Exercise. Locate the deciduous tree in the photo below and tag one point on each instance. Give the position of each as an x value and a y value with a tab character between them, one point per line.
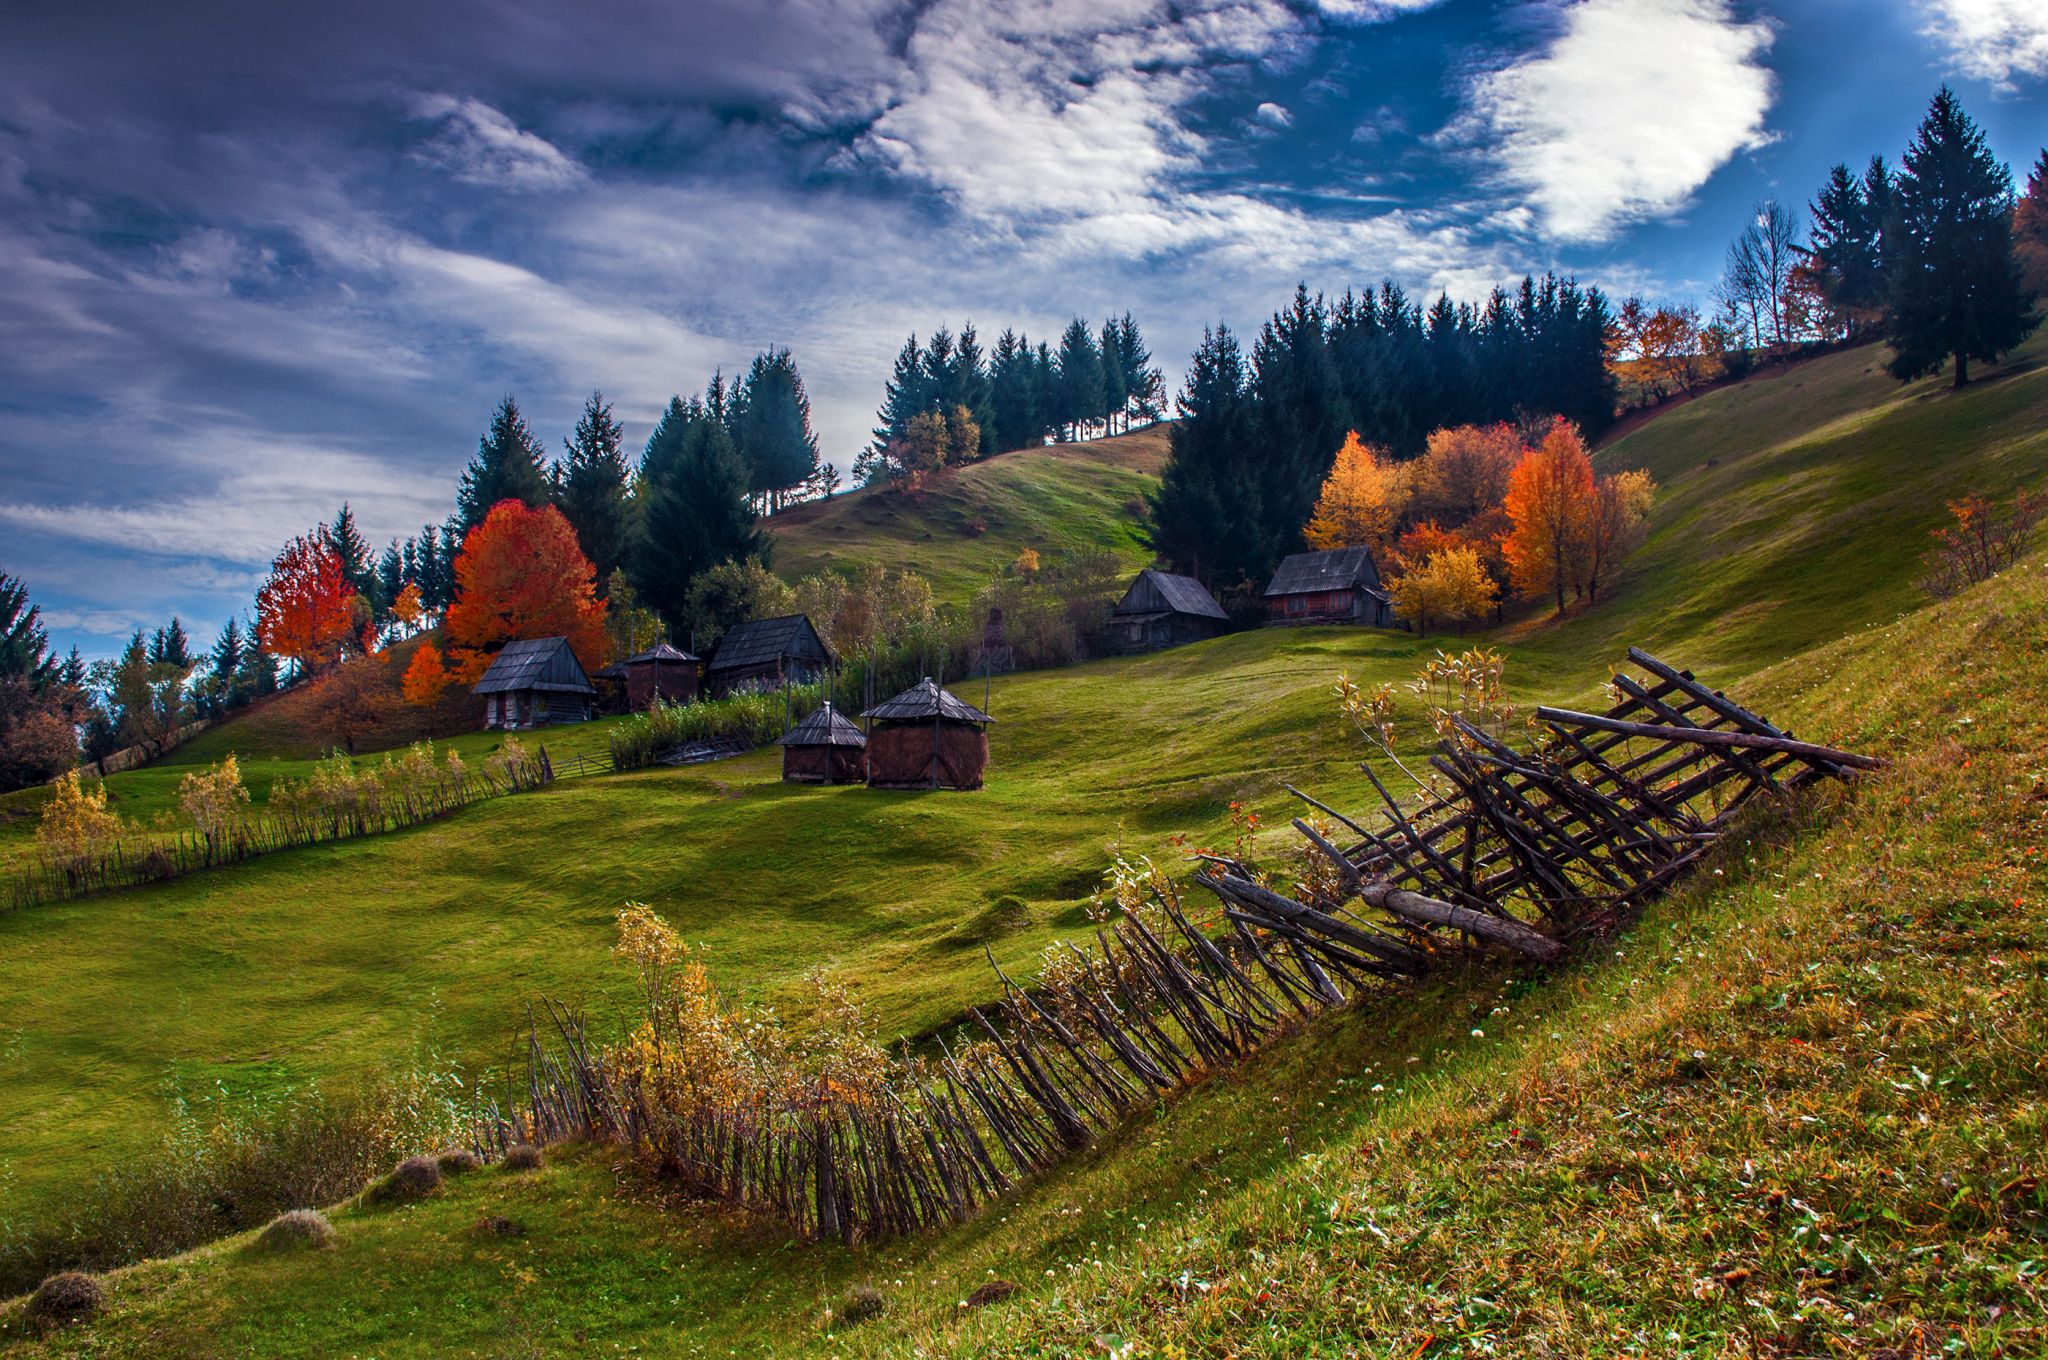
1550	497
426	677
1450	586
1361	499
305	609
1615	526
521	574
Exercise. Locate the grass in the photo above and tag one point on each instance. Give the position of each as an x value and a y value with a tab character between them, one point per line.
971	523
343	959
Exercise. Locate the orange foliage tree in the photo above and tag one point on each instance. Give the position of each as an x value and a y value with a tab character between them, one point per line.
1615	526
426	678
1464	471
1361	499
520	574
1550	498
306	609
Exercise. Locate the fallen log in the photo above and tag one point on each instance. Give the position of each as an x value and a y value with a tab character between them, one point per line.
1702	736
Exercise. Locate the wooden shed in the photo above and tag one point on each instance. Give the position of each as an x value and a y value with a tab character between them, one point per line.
1164	610
661	672
1341	585
765	653
925	738
535	681
825	748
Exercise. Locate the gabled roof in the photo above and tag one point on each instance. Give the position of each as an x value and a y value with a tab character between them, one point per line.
926	700
768	640
661	654
826	727
545	664
1335	569
1182	594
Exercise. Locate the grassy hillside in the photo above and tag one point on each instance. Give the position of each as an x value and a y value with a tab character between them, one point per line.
971	523
345	958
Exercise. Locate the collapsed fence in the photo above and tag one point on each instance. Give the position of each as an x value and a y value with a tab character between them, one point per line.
1523	849
337	802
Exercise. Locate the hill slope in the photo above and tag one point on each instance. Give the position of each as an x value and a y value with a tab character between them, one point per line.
349	957
972	522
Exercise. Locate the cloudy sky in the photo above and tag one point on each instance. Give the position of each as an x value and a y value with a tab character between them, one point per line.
259	258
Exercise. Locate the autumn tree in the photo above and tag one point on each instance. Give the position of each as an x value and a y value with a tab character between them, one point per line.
1615	526
521	574
426	678
1450	586
409	609
1550	496
1463	472
1980	540
353	700
2030	230
306	610
1360	502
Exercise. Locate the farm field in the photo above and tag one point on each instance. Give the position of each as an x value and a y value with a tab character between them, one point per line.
1786	539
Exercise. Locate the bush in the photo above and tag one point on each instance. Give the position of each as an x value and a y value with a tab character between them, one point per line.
296	1230
863	1303
755	718
64	1298
457	1161
415	1178
524	1157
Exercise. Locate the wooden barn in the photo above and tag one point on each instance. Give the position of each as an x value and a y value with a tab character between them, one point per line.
925	738
535	681
825	748
1164	610
661	672
1341	585
766	652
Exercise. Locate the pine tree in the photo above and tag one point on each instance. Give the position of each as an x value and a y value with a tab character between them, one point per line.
509	465
356	567
1956	291
1209	499
695	508
390	579
171	646
1016	421
771	427
592	487
257	675
907	394
1116	391
1847	242
1081	390
1144	385
427	571
24	642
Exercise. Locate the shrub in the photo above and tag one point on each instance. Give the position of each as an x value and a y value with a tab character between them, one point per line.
860	1305
215	800
77	830
755	718
415	1178
457	1161
1981	541
67	1297
296	1230
524	1157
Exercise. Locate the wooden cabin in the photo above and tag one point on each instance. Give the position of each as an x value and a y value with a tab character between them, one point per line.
1164	610
1341	585
767	653
925	738
661	672
825	748
535	681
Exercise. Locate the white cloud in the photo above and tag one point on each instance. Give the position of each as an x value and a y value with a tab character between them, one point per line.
1992	40
1633	105
1273	115
479	145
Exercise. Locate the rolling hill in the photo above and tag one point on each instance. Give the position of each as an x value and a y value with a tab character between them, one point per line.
1382	1181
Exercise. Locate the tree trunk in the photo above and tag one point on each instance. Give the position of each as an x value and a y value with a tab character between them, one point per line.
1962	370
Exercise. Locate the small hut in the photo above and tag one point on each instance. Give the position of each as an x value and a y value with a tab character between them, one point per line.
1340	585
535	681
825	748
766	653
661	672
1164	610
925	738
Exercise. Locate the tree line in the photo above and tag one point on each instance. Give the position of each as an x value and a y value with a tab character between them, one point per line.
1258	434
947	401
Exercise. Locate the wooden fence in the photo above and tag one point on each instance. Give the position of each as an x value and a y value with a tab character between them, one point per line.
1525	850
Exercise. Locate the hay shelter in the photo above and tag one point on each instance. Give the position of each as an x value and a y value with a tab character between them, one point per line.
925	738
661	672
825	748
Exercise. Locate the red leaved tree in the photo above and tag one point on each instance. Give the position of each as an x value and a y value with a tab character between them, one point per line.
306	610
520	574
1550	501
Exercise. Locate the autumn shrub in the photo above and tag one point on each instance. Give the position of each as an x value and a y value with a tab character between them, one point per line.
67	1297
216	801
296	1230
77	831
524	1157
1980	541
207	1180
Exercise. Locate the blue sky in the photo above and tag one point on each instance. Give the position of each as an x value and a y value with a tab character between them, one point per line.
260	260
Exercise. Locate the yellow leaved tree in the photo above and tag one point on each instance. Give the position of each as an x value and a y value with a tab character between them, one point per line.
1361	499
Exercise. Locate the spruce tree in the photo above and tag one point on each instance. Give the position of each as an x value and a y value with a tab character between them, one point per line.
695	511
1145	386
1116	390
907	394
509	465
354	550
24	642
390	578
592	487
1956	291
771	427
1209	499
1080	380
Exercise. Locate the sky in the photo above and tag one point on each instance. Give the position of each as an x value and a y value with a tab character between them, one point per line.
258	259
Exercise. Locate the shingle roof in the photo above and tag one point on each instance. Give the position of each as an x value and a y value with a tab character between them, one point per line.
1336	569
544	664
826	727
1184	594
662	653
925	700
765	640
